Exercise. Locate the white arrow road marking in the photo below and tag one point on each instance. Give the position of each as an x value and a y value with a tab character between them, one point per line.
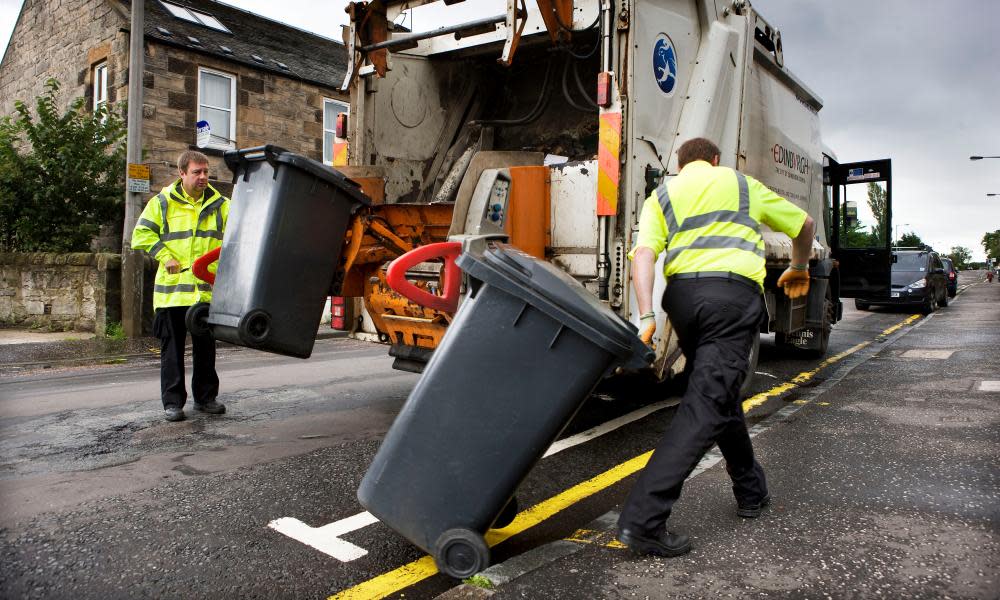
326	539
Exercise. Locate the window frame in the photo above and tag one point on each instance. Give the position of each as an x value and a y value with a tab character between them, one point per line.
231	143
333	126
99	84
193	15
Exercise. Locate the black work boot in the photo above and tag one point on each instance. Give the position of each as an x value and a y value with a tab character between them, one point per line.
752	511
666	544
173	413
211	407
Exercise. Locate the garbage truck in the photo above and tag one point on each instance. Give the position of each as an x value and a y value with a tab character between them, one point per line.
549	122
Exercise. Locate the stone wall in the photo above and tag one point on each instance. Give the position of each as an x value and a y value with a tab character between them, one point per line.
65	40
61	292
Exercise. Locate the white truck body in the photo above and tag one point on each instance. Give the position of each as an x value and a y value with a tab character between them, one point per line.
678	69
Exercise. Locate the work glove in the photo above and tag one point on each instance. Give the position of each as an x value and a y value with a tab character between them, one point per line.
795	282
647	327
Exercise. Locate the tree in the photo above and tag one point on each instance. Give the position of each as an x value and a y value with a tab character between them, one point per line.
991	244
877	197
61	175
910	240
961	256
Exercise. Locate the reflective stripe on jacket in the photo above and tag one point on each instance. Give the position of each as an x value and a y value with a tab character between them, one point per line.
174	226
708	220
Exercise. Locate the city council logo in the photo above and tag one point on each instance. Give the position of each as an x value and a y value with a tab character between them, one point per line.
665	64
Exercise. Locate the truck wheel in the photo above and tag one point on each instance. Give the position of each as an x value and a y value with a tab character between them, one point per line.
829	316
754	356
507	515
461	553
861	305
196	319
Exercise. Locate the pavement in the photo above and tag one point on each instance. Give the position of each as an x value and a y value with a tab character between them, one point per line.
23	349
885	481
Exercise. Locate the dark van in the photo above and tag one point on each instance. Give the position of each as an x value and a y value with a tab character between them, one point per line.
918	279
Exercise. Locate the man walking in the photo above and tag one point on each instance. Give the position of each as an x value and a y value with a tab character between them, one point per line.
180	224
708	219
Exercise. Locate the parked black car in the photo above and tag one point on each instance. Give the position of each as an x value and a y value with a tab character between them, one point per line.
918	278
952	273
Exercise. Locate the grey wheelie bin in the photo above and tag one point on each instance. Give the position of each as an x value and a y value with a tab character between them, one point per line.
281	249
523	353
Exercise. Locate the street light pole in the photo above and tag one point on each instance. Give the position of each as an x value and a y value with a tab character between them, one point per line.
133	265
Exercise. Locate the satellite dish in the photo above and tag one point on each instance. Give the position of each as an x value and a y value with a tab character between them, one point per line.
204	133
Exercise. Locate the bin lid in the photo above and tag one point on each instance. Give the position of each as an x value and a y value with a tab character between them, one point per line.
552	284
235	159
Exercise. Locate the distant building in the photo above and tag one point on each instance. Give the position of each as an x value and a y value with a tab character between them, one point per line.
254	80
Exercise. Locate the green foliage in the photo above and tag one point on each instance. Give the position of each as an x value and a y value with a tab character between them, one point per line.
480	582
991	244
62	176
114	330
960	256
877	200
910	240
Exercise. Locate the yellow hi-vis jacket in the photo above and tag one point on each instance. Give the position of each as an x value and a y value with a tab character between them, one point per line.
175	225
708	220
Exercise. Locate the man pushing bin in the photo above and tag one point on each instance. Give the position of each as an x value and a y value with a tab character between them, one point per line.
707	218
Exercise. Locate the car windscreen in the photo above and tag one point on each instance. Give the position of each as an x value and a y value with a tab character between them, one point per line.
916	261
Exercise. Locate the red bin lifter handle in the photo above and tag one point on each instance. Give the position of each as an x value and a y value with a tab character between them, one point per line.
200	266
449	251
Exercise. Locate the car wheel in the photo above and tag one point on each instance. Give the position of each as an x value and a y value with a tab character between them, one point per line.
861	305
930	305
944	299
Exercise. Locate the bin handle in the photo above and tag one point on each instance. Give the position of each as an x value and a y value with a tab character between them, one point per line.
449	251
200	266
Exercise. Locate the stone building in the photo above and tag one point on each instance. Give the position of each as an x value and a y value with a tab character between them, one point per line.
254	80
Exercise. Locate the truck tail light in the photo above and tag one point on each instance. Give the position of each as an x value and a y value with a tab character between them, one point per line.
341	129
338	314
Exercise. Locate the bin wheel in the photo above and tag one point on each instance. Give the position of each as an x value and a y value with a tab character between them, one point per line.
507	515
461	553
196	319
254	327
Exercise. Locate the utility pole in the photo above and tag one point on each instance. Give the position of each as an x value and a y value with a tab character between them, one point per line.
132	261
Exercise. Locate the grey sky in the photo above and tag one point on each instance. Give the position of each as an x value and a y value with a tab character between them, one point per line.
916	81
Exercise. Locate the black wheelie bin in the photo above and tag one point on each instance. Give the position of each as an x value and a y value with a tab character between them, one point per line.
525	349
281	249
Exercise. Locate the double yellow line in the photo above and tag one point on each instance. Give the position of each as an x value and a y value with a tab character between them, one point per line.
420	569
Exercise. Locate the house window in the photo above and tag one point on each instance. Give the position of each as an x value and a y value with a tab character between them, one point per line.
194	16
100	79
331	108
217	105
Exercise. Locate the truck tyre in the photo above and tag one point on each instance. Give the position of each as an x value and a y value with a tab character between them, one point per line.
754	356
861	304
829	316
461	553
196	319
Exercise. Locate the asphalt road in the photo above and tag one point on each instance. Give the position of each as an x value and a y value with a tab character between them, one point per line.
99	497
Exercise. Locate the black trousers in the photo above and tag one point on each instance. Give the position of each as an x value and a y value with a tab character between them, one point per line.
715	320
169	327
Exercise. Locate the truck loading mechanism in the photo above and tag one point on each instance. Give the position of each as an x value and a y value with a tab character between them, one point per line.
551	121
